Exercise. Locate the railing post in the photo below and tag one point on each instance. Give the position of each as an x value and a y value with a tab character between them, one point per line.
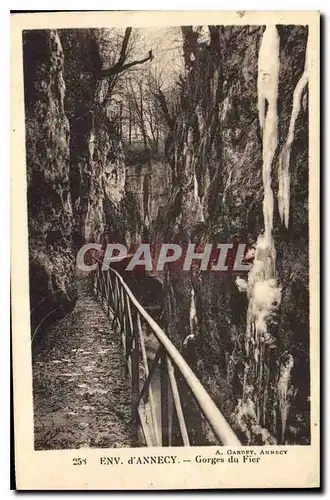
135	361
104	292
108	287
122	308
129	327
101	285
146	370
116	296
119	310
111	290
116	317
97	281
177	403
164	399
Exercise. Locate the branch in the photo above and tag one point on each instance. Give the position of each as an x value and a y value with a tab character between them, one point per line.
141	61
120	67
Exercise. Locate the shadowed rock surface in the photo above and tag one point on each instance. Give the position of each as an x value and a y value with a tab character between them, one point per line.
50	217
215	152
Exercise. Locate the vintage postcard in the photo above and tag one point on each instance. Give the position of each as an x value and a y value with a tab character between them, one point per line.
165	250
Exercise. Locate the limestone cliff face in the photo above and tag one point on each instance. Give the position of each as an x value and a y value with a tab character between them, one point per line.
52	265
218	195
149	183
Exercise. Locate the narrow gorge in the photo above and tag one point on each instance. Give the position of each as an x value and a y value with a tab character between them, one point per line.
181	135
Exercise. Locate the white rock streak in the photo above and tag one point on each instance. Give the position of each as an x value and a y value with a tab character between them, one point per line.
263	294
284	158
192	312
283	390
268	70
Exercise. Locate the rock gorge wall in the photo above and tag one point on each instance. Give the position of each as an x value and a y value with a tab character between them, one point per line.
218	149
50	216
75	165
150	185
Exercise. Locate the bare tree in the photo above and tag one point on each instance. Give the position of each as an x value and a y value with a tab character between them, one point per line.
144	111
122	65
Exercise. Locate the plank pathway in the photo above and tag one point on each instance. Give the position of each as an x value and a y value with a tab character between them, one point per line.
81	393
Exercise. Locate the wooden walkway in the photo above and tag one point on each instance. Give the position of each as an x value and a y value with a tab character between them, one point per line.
81	392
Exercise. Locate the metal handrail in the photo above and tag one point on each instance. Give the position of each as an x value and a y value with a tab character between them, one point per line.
169	355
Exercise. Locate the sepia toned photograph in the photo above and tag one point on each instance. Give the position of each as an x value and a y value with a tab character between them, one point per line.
168	202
